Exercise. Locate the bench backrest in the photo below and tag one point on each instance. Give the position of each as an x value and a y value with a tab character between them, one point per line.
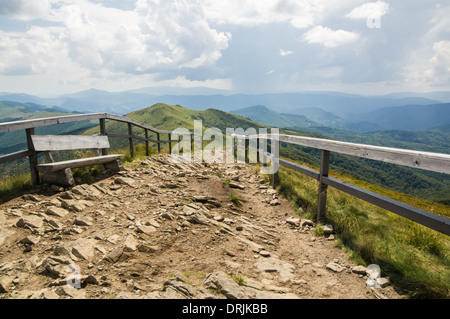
47	143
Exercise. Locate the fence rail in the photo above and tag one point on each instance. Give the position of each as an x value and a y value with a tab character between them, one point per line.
424	160
30	125
435	162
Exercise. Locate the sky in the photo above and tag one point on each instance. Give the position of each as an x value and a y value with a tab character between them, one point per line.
53	47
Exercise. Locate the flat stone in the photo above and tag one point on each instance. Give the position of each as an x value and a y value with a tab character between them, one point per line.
124	181
334	267
306	222
235	185
293	221
264	253
272	264
5	283
30	221
227	286
145	229
328	229
56	211
114	255
83	221
384	282
361	270
72	205
30	240
146	248
84	248
130	244
274	202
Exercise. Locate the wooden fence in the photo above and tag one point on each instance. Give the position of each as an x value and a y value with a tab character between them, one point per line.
425	160
30	125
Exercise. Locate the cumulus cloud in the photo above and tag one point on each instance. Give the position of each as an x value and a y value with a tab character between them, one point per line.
369	10
330	38
24	10
439	71
156	36
285	53
300	14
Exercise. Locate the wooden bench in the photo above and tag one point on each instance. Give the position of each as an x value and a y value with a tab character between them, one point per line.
60	172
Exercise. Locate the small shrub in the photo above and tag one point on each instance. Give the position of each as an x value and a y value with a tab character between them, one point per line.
235	199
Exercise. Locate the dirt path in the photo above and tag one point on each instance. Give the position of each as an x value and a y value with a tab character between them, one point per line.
168	230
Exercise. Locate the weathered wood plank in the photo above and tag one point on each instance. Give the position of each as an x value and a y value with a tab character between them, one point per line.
301	169
417	159
63	178
58	166
25	124
33	157
438	223
13	156
68	142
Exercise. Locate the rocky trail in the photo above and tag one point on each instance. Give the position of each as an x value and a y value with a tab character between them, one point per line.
161	229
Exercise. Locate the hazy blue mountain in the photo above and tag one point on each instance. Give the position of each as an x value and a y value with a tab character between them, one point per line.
409	117
266	116
341	104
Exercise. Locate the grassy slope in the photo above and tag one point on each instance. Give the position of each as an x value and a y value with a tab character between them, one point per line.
414	257
170	117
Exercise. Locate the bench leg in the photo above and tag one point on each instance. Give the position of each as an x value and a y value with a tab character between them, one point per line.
62	178
115	166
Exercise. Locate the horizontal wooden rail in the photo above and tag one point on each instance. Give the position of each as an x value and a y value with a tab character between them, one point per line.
30	125
424	160
14	156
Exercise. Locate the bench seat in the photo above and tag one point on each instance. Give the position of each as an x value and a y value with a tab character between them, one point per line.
60	173
76	163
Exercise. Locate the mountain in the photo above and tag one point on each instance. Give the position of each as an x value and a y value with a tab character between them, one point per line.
266	116
15	111
408	117
170	117
341	104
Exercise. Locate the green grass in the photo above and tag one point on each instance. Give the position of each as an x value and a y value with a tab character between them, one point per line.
13	185
414	257
235	199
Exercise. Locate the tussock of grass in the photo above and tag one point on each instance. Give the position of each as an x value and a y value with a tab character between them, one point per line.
235	199
13	185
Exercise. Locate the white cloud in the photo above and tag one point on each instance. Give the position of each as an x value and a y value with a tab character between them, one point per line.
439	71
157	36
25	10
300	14
330	38
369	10
285	53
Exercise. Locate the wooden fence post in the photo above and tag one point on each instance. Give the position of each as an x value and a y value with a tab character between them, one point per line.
130	139
103	132
147	147
32	158
170	143
322	198
159	142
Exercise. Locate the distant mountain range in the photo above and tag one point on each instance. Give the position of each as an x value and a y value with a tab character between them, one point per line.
408	117
341	104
